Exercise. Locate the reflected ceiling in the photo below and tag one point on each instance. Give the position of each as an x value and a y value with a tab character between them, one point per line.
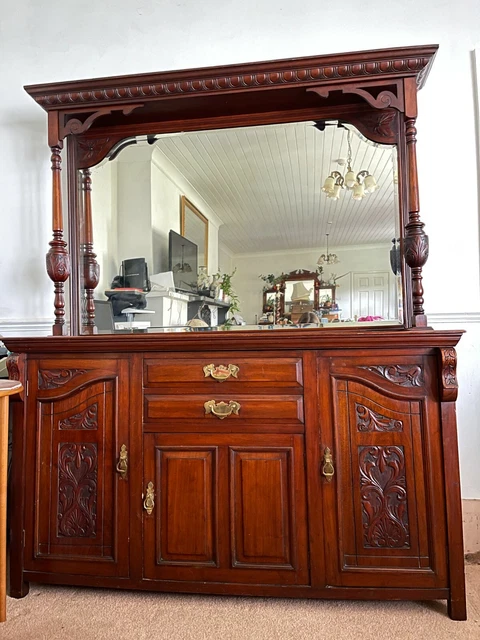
265	184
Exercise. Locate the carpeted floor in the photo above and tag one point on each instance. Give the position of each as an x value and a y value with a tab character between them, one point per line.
68	613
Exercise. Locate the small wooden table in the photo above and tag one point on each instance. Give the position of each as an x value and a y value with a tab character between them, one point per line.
7	388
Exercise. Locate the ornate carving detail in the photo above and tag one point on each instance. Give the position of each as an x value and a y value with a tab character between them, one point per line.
369	420
86	419
53	378
16	369
16	366
91	270
405	375
77	490
88	148
449	382
416	250
384	124
382	100
158	86
379	126
58	262
384	497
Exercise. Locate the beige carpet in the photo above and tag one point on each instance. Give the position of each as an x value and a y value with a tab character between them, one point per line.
67	613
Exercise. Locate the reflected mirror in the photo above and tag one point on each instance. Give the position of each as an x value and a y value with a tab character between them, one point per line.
263	205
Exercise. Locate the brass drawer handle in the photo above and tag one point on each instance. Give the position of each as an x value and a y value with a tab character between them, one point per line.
122	465
221	372
222	409
328	469
149	501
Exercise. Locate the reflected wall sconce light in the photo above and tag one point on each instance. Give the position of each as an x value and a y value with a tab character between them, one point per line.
360	184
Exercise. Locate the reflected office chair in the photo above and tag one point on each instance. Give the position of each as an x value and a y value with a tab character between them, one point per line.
104	316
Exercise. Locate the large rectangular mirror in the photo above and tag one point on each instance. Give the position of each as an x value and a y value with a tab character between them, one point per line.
259	202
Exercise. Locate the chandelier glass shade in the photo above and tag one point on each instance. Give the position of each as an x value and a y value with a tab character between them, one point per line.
360	184
328	258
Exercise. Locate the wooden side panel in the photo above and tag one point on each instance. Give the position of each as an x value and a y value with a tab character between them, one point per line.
261	507
187	505
75	495
227	508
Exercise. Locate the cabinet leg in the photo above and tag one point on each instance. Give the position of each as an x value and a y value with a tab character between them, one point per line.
19	591
457	609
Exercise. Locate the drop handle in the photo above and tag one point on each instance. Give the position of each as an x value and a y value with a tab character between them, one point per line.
149	500
122	465
328	470
222	409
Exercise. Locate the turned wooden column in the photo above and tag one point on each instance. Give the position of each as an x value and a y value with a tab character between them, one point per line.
58	259
416	240
91	268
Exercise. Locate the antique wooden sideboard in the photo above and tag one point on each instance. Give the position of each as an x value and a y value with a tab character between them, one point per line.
318	463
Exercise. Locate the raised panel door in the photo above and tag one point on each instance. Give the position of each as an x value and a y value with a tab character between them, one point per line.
77	502
225	507
387	522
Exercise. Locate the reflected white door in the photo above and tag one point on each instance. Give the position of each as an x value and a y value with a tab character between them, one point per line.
370	294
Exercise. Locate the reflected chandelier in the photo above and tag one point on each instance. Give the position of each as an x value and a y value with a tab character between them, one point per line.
328	258
360	184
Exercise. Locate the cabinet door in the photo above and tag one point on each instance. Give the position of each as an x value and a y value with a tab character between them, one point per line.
226	508
385	499
77	502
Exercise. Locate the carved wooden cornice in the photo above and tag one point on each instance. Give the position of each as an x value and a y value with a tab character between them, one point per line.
384	64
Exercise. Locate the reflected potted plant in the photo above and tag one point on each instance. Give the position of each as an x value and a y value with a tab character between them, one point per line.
224	281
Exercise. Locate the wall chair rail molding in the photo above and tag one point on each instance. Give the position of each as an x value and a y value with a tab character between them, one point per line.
457	319
123	474
25	327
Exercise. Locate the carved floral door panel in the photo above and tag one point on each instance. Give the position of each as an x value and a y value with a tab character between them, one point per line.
385	499
226	507
78	499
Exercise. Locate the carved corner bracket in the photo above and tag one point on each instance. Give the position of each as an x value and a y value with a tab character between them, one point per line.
382	99
76	126
16	370
448	378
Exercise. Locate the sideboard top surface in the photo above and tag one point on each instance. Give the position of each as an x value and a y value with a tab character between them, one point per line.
304	339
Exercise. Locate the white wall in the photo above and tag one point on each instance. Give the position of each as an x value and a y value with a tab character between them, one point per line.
56	40
105	227
135	203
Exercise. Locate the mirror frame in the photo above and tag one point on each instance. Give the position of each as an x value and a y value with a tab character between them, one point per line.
376	91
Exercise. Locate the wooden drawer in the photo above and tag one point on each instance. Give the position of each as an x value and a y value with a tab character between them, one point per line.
242	408
228	370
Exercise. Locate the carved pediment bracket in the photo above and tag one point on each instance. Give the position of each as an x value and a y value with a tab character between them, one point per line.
80	124
372	93
448	374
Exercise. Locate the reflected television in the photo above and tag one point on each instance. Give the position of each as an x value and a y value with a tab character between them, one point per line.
183	262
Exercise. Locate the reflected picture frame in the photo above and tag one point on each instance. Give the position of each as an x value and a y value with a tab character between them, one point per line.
190	217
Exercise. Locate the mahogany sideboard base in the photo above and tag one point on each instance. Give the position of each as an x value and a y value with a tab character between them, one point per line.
322	464
276	591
